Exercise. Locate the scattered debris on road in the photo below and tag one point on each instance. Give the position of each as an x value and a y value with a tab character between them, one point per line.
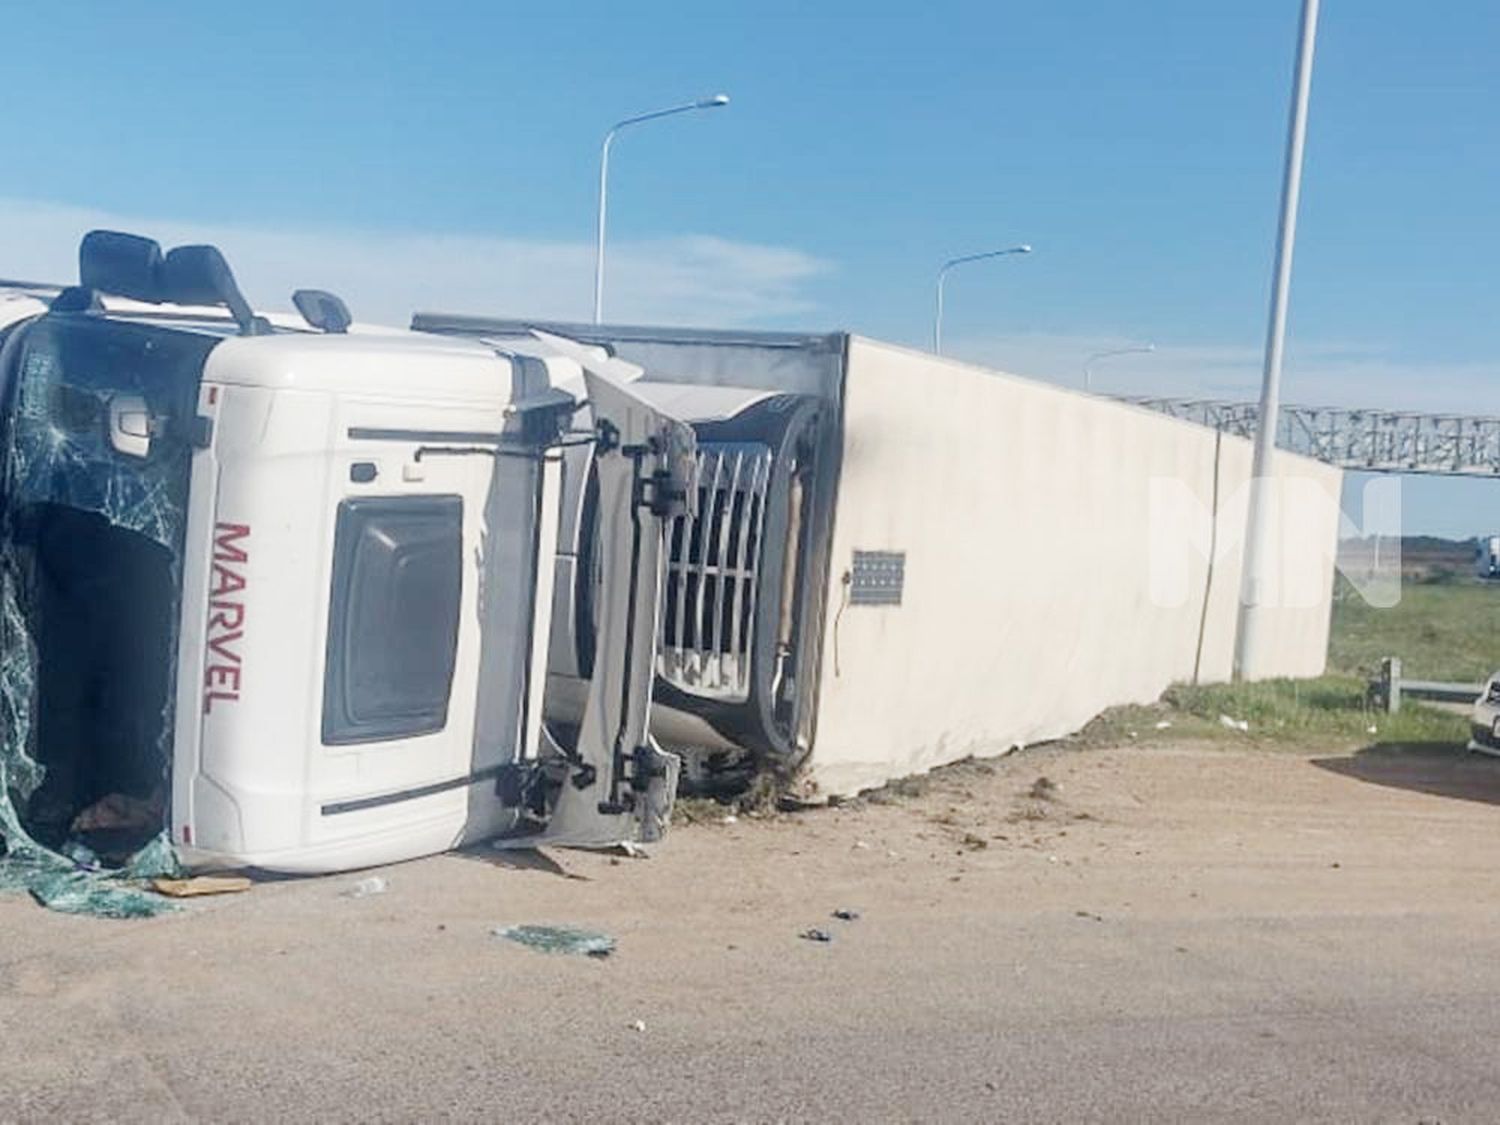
1043	789
560	939
81	854
374	885
201	885
70	886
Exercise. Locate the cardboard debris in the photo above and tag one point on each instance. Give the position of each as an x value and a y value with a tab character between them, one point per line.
201	885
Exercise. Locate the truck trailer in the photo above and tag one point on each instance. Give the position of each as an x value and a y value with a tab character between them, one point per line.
891	562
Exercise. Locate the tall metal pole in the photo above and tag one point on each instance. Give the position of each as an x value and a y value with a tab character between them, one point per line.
609	139
1257	531
937	320
937	316
713	102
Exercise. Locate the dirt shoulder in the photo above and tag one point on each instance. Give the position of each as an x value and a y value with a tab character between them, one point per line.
1112	901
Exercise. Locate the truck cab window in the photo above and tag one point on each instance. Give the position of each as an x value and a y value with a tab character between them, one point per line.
393	617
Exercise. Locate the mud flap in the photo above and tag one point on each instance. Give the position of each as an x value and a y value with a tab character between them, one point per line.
620	784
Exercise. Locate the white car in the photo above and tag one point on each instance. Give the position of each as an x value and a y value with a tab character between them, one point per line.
1484	721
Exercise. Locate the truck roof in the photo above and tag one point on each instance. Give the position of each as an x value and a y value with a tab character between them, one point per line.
378	362
372	357
467	324
809	363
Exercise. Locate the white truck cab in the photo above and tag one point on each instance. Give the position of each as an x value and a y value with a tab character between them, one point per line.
283	591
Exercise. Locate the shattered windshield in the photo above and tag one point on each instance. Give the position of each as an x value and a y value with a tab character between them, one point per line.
91	543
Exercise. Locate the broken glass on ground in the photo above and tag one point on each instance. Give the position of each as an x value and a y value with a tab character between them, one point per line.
59	884
559	939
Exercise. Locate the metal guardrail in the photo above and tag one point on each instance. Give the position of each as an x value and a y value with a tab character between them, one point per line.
1389	688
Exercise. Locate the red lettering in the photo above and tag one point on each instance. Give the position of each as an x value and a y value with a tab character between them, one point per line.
226	619
224	536
222	615
220	646
226	581
225	675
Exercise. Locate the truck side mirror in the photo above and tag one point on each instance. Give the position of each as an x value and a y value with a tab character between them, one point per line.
199	275
126	265
322	310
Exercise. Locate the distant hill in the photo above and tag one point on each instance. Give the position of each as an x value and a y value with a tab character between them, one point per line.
1435	545
1423	557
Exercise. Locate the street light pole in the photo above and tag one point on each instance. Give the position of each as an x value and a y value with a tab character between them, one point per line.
1088	364
713	102
1257	528
937	322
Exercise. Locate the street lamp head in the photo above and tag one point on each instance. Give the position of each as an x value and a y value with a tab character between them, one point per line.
713	101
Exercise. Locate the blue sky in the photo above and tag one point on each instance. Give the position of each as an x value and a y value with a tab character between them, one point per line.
444	155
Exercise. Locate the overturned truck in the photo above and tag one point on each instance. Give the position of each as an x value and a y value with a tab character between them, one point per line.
898	560
293	593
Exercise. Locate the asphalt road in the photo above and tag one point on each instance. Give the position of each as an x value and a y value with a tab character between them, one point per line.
1176	934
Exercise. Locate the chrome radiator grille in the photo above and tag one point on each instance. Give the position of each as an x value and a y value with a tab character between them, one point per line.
708	611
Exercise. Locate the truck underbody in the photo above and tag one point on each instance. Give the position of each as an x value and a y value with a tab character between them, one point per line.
745	577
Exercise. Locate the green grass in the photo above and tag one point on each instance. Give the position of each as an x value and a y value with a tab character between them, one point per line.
1330	712
1441	630
1446	627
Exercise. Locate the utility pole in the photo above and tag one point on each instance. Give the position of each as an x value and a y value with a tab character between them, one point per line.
1257	529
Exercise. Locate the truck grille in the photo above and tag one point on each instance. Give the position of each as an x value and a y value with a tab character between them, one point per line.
708	618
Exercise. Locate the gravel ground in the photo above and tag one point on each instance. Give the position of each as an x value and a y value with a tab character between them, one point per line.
1167	933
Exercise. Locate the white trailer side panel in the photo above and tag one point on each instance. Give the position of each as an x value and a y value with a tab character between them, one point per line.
1056	563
